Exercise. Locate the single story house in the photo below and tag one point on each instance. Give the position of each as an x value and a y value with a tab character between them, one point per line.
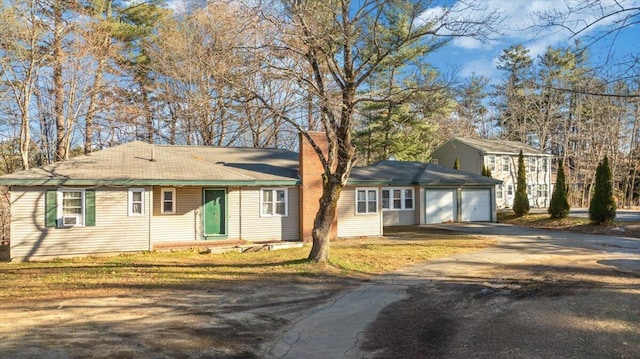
501	157
138	196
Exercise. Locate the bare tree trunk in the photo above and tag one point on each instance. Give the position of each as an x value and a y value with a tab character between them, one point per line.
88	125
147	113
25	138
331	189
58	85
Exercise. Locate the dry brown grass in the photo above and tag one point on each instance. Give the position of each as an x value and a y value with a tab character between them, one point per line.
572	224
126	274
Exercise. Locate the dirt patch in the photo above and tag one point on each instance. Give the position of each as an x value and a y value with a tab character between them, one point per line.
533	310
219	320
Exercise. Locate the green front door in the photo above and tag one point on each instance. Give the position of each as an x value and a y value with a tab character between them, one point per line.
214	212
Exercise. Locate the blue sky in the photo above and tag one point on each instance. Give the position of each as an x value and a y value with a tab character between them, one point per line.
469	56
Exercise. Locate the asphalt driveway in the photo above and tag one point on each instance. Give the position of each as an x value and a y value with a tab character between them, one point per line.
537	294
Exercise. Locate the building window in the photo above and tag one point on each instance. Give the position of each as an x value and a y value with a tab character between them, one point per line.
136	201
509	190
532	165
273	202
529	190
545	164
397	199
506	166
168	203
499	191
542	191
366	201
491	163
71	207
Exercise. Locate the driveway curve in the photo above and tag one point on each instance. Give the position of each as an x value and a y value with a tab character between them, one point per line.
536	294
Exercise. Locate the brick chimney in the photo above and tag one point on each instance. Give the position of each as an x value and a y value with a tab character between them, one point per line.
310	170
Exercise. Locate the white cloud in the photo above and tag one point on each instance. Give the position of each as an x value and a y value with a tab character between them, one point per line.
481	67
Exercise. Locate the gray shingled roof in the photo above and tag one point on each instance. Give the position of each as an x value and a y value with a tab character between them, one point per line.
501	146
403	173
131	164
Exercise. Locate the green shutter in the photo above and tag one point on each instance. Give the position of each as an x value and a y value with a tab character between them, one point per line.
90	208
51	209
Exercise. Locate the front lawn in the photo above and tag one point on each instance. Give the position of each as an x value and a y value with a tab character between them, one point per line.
128	274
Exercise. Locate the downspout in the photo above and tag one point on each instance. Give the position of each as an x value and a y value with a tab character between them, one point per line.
240	213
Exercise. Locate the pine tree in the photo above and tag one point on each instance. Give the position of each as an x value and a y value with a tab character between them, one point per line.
488	173
456	165
521	200
484	170
559	205
602	208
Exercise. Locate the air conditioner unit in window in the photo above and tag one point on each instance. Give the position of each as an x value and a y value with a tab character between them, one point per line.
70	220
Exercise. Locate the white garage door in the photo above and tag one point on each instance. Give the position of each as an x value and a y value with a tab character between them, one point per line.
440	205
476	205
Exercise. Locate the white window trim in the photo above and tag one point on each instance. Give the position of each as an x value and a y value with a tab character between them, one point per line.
533	165
366	190
402	198
130	201
174	201
60	215
507	160
542	190
273	204
489	164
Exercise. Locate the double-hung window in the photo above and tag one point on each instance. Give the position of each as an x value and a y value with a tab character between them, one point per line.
491	163
542	191
532	165
136	201
397	198
499	190
505	163
168	201
71	207
273	202
366	200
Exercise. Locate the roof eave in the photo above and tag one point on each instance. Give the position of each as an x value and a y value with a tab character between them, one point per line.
146	182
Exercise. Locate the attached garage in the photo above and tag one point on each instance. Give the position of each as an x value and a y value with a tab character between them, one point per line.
476	205
438	194
441	205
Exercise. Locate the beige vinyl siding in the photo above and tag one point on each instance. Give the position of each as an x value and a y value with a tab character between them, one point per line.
185	224
257	228
115	230
233	212
351	224
470	158
399	218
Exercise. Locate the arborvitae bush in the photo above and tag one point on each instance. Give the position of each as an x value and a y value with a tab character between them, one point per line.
559	205
521	200
456	165
602	208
